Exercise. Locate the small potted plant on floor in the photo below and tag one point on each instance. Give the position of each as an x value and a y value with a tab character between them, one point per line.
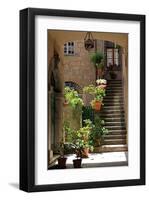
98	61
78	160
62	159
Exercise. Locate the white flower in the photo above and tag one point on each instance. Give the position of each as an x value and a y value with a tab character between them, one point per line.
101	81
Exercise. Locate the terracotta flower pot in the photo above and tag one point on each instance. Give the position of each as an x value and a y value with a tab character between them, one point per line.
62	162
97	105
77	163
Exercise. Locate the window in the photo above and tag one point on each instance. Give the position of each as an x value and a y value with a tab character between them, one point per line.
113	57
69	48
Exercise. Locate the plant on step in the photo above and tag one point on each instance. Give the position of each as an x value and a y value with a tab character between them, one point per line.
72	97
112	73
98	94
98	131
83	141
102	83
97	59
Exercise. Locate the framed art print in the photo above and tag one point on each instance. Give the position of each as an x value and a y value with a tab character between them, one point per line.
82	99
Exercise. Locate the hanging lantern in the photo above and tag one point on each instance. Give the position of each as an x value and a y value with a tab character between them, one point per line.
88	41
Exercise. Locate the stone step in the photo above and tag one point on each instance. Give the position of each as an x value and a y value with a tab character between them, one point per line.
114	141
113	104
116	136
111	148
114	119
114	81
114	88
112	85
114	123
114	93
113	107
111	115
112	111
117	132
113	98
110	81
121	127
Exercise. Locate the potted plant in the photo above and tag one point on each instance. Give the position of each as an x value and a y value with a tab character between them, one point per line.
97	59
72	98
102	83
62	159
83	141
112	73
98	94
77	162
98	131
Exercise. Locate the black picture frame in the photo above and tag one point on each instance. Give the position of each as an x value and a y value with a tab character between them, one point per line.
27	98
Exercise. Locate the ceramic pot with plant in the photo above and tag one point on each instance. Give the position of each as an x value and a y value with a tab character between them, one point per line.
77	163
82	140
71	96
97	59
62	159
96	104
98	94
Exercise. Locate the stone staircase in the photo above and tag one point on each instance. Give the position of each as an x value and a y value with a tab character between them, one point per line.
113	114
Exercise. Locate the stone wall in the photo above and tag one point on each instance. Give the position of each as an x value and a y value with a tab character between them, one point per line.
78	68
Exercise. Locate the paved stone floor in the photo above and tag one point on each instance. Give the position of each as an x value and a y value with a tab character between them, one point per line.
101	160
